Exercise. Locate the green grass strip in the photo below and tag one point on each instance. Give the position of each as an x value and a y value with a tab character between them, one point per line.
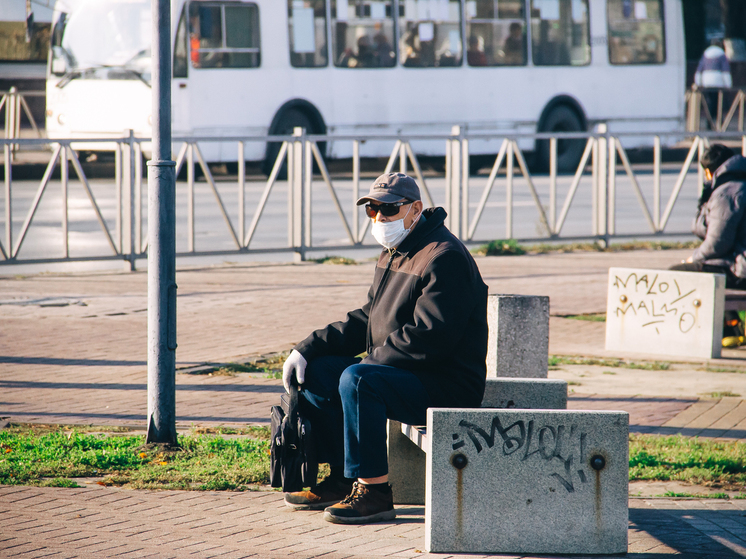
557	360
204	462
512	247
690	460
47	457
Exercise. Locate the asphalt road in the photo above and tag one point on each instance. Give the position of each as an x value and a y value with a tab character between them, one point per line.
45	240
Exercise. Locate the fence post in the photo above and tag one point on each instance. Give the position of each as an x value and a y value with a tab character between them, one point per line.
64	180
509	192
128	201
356	190
464	185
296	186
11	116
241	192
454	181
693	113
602	183
8	206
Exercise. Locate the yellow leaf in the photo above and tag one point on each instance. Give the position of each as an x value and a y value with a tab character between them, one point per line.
143	455
164	463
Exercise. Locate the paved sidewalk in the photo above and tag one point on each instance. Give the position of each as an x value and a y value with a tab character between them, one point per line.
105	522
73	350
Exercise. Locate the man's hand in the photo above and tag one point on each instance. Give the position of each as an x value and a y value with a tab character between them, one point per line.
689	260
295	364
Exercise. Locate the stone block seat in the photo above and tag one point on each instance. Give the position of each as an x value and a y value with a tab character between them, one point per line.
521	474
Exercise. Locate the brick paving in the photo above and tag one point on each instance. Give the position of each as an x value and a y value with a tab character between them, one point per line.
73	351
107	522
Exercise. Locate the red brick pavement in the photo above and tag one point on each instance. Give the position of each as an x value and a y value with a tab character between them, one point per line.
105	522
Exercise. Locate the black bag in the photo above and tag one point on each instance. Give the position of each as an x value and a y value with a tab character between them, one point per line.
293	463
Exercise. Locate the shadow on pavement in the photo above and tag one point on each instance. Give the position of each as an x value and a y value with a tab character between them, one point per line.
269	388
92	417
694	533
70	362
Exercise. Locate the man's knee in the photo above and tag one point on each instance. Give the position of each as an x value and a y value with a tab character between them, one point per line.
352	377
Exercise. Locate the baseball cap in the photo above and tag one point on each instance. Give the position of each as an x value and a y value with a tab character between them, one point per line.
391	187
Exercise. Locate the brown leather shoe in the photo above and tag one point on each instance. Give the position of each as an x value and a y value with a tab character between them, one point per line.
362	506
328	492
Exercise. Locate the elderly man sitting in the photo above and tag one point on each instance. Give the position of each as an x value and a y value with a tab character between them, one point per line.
424	329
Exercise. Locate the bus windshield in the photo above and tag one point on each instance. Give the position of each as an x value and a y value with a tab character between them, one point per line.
103	39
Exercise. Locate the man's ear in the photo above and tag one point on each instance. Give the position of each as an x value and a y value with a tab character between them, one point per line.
418	206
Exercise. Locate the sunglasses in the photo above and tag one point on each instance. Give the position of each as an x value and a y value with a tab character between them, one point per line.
388	210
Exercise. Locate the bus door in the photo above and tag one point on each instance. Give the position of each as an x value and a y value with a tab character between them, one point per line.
215	42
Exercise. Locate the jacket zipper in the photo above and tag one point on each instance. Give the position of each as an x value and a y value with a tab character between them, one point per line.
392	253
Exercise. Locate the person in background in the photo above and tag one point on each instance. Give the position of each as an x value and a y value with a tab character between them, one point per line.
713	73
475	55
515	45
721	224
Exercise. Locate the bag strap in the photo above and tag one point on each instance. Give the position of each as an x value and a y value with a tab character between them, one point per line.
293	403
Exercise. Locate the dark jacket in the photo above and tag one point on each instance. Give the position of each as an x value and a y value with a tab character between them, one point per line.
426	313
721	221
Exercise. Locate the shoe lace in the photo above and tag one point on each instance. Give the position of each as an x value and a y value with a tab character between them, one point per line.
358	492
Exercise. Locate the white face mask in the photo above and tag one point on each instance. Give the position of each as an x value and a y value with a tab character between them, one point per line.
391	233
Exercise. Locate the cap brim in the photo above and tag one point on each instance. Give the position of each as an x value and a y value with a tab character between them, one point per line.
383	197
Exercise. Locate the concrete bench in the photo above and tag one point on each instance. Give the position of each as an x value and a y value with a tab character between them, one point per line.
665	312
525	481
521	481
406	460
521	474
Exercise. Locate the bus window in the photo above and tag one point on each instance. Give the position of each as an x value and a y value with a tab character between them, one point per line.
180	48
496	33
560	34
307	32
224	35
430	33
636	32
363	33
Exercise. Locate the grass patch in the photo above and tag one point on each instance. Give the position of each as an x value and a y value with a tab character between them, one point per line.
546	248
573	383
725	394
270	365
721	370
690	460
203	462
342	260
557	360
698	495
507	247
608	373
590	317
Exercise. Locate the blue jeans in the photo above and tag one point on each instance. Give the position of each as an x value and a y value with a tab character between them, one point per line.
348	403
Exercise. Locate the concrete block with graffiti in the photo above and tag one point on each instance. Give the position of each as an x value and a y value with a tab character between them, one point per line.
663	312
527	481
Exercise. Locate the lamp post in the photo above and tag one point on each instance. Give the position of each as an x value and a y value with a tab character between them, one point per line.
161	242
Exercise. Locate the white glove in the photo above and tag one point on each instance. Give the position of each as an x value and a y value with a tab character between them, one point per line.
294	364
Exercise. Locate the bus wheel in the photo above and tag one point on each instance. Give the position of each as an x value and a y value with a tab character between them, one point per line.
291	118
569	152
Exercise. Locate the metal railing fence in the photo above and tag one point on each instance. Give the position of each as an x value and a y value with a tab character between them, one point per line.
604	166
729	106
13	106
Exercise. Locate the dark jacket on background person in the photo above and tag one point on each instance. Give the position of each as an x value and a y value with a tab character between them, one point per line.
721	219
426	313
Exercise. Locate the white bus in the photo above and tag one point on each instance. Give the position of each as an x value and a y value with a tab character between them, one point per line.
362	67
